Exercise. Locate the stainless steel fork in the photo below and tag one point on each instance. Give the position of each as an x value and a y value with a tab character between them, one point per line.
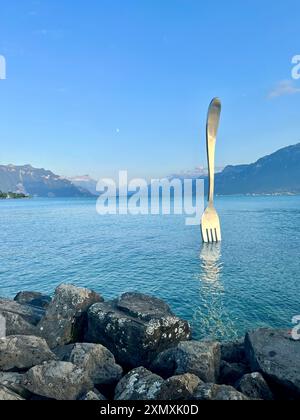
210	224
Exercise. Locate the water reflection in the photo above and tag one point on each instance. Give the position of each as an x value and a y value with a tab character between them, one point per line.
211	318
211	266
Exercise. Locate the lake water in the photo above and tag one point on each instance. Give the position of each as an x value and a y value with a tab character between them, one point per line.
252	279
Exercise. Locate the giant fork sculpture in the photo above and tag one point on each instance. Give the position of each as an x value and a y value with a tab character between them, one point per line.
210	224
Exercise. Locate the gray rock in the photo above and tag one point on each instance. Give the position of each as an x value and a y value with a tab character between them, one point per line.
233	351
33	298
65	317
230	373
8	395
213	392
14	382
135	328
58	381
30	314
255	387
93	396
19	352
96	360
139	384
16	325
276	355
201	358
63	353
178	388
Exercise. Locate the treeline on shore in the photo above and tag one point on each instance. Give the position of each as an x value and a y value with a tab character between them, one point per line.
12	195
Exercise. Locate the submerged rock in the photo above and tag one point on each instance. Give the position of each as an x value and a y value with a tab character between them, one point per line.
96	360
255	387
201	358
64	320
276	355
213	392
135	328
8	395
33	298
139	384
22	352
57	380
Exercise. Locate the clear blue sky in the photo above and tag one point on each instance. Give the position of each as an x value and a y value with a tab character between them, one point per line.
95	86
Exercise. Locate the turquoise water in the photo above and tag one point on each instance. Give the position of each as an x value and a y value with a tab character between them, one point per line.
252	279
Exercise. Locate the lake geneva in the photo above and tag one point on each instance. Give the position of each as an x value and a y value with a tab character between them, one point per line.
251	279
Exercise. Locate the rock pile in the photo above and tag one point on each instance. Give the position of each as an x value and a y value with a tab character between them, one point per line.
77	346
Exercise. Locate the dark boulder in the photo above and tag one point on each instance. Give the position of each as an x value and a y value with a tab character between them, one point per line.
57	380
139	384
276	355
96	360
179	388
15	324
33	298
65	317
20	319
230	373
135	328
201	358
93	395
213	392
8	395
13	381
22	352
233	351
254	386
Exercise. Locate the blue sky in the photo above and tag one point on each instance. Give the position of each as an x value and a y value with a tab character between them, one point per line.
96	86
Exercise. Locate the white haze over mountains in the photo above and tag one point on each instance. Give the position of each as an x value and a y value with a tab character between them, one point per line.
86	182
198	172
90	184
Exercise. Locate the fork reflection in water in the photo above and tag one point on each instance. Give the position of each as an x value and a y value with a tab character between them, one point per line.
211	319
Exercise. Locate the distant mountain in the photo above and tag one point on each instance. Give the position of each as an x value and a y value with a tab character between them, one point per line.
85	182
278	173
37	182
197	173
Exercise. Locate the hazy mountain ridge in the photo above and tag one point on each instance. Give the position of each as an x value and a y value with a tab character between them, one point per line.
37	182
278	173
85	182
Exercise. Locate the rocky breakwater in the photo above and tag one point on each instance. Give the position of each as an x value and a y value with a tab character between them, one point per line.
76	346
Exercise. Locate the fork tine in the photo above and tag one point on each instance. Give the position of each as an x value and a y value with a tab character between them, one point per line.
204	235
210	238
216	235
214	238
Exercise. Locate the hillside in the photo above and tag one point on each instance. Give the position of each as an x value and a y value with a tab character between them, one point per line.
278	173
37	182
85	182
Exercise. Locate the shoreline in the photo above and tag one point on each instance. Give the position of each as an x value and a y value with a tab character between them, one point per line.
76	346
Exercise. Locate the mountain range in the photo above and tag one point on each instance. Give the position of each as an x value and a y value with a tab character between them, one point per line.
85	182
37	182
278	173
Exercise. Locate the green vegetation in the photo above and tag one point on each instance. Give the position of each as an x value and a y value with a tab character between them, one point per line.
12	195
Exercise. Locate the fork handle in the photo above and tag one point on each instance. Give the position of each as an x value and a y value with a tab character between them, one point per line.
213	120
